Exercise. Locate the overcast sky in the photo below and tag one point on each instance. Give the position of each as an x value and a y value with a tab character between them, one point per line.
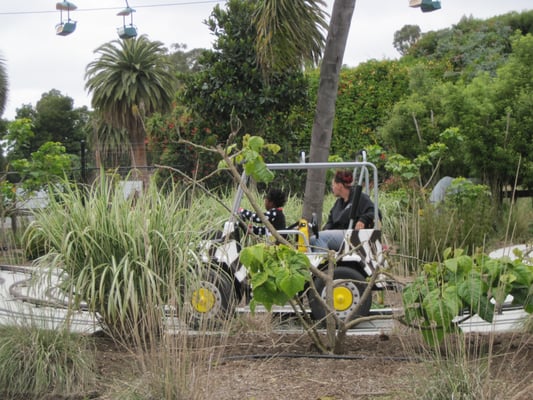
38	60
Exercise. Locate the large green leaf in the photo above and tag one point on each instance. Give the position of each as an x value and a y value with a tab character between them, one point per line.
278	273
448	252
508	278
257	169
442	306
452	265
263	296
493	268
472	289
295	260
415	291
474	292
465	264
292	284
268	295
253	257
431	269
259	279
255	143
523	274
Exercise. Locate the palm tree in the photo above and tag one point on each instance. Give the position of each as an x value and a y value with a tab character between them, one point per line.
131	80
289	33
3	86
108	143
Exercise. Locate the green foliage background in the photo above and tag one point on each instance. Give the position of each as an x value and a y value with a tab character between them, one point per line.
463	90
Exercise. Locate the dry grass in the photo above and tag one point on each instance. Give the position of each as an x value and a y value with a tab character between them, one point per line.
263	364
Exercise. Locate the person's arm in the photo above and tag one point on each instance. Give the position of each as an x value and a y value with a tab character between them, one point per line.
365	212
249	216
270	215
259	230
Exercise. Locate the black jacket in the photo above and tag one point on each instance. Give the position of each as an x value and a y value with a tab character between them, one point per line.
339	216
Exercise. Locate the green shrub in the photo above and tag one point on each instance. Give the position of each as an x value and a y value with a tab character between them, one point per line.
34	362
460	283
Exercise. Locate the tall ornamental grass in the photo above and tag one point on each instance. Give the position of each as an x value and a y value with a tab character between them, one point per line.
420	230
36	362
125	256
130	260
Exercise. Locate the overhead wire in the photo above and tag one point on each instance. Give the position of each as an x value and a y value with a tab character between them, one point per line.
184	3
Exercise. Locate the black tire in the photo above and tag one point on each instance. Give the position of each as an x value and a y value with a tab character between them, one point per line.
348	288
211	298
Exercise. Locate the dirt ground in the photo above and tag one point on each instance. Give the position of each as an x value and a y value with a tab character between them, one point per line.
266	366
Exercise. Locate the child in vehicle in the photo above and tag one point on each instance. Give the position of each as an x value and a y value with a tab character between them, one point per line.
274	202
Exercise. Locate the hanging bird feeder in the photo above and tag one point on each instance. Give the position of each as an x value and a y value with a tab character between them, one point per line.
127	31
65	28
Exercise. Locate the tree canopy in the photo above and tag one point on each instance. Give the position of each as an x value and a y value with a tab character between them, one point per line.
52	119
406	37
230	85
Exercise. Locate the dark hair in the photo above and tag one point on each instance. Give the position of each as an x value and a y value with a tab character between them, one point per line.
277	197
344	177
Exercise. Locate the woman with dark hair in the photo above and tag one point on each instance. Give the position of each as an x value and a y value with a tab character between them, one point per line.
332	234
274	202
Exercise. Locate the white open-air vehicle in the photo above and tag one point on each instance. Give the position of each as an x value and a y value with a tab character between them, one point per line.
223	282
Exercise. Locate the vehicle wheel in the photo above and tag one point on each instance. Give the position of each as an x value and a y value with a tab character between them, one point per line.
348	287
212	298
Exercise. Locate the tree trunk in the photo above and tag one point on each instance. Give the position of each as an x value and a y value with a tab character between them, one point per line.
339	28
